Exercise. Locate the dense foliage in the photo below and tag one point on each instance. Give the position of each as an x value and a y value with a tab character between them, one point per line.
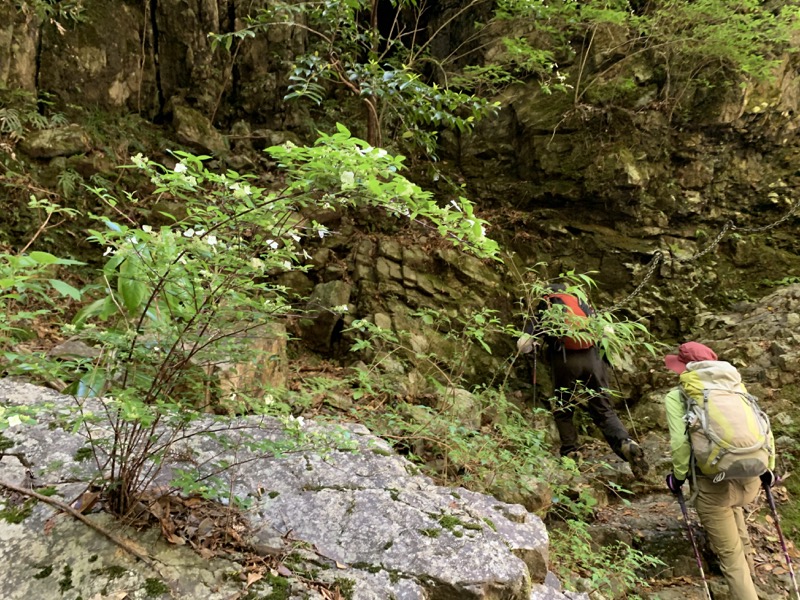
172	300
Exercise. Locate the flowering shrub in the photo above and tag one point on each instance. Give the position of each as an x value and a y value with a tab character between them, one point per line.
177	299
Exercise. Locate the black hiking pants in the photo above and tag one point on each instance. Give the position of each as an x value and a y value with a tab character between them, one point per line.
580	378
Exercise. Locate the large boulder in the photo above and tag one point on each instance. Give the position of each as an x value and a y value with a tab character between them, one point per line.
349	509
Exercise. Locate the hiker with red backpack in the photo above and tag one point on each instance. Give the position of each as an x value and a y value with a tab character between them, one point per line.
721	438
577	369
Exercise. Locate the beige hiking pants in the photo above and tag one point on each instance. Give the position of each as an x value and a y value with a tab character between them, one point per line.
719	506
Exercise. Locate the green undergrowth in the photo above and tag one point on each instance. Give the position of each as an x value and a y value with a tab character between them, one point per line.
582	566
173	300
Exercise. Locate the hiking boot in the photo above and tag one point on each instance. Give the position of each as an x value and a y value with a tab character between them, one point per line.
634	454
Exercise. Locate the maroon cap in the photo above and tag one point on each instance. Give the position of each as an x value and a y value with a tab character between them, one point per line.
688	352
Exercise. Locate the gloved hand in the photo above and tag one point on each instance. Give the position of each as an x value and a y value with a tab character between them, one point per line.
768	478
526	343
674	484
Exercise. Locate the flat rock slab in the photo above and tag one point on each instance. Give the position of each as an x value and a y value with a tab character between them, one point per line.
333	498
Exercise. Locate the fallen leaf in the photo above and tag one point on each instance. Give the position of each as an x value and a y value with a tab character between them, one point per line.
285	571
252	578
175	539
85	501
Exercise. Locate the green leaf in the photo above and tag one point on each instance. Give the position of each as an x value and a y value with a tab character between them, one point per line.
92	310
132	292
43	258
65	289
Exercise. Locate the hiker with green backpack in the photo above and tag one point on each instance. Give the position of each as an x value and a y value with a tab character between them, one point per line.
721	439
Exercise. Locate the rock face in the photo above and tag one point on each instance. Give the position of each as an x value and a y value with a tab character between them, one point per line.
361	512
591	188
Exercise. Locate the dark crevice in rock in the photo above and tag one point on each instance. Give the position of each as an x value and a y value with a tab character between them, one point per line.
153	7
234	74
38	68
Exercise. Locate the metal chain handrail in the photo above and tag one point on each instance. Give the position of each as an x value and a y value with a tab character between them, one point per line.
658	256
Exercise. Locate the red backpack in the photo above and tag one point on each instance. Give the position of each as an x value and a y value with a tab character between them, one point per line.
579	311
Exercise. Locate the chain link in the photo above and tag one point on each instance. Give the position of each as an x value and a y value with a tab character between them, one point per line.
658	256
725	228
771	225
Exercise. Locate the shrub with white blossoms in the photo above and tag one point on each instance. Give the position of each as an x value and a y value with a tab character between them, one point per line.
178	298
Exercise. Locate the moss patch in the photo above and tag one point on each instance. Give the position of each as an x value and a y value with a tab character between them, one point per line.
346	587
65	583
45	571
5	443
83	454
281	588
111	572
154	587
17	514
431	532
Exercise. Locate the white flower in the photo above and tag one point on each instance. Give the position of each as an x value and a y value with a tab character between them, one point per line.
287	265
211	240
340	309
348	178
322	231
140	160
14	420
295	237
180	168
257	263
188	233
297	421
272	244
381	153
268	399
108	251
240	191
147	228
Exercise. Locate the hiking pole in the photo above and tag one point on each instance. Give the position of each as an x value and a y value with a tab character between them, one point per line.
771	500
685	512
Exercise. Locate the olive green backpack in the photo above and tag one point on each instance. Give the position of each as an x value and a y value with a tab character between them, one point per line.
729	433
